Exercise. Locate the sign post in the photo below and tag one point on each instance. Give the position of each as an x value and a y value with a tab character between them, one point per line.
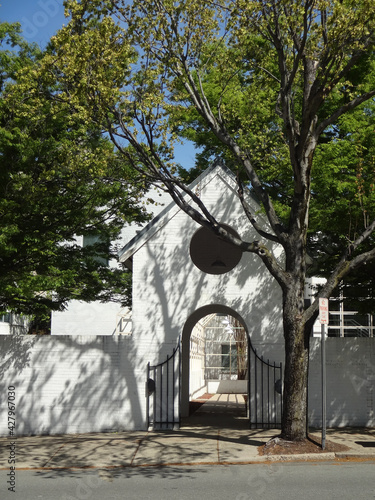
324	317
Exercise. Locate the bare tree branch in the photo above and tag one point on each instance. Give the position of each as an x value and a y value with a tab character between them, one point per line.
342	110
251	218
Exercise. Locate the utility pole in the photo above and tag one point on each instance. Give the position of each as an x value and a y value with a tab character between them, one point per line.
324	318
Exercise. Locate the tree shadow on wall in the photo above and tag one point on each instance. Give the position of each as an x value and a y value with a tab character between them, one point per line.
174	289
15	355
73	384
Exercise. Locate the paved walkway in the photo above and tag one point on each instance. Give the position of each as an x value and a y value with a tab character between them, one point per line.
207	437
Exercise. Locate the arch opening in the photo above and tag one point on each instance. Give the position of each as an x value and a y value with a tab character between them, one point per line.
215	345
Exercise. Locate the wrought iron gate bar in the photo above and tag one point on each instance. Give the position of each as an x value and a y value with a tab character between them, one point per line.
162	415
274	384
268	389
264	384
262	379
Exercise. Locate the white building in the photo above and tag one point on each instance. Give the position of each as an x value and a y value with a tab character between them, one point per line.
96	372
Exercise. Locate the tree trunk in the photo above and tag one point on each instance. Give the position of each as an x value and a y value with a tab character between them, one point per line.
294	419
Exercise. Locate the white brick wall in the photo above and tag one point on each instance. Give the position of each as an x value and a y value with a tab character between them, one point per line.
90	384
87	318
168	288
350	382
72	384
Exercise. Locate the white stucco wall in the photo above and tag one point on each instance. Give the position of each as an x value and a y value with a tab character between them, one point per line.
169	290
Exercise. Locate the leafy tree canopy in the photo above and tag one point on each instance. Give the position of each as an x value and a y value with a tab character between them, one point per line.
59	178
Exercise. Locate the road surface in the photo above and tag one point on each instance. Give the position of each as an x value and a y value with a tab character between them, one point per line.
299	481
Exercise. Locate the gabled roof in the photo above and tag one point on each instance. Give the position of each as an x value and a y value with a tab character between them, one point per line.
172	209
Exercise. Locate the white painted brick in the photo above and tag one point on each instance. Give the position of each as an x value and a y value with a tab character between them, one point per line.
71	384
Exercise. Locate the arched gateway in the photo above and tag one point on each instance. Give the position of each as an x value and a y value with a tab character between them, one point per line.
192	321
168	382
182	273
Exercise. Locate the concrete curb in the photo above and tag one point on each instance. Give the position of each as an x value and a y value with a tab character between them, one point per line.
356	456
302	457
307	457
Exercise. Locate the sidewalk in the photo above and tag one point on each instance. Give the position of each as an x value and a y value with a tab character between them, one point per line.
195	443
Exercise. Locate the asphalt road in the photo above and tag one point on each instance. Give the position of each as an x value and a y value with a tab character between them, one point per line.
306	481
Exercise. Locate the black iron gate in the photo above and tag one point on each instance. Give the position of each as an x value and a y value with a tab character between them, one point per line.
265	386
163	392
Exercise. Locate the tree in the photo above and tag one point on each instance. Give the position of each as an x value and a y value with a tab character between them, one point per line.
60	178
343	196
266	81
